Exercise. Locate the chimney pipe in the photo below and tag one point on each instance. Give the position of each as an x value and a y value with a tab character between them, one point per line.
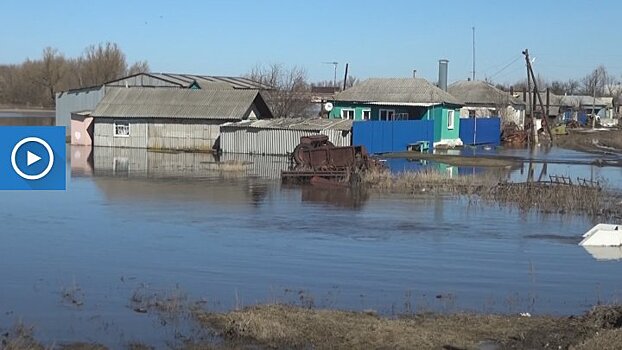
442	74
414	73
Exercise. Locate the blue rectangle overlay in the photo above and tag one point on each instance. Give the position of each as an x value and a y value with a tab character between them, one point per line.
32	158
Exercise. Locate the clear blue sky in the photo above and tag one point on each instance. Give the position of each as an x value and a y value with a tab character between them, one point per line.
378	38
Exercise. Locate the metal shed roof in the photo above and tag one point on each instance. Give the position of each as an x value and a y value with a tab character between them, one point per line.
396	90
188	80
176	103
307	124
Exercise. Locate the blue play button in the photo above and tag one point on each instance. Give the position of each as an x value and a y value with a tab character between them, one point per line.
32	158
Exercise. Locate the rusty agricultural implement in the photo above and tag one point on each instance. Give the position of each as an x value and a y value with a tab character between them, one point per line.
316	160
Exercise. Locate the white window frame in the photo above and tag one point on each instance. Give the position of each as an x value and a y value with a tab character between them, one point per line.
387	111
451	120
368	111
400	116
118	123
348	110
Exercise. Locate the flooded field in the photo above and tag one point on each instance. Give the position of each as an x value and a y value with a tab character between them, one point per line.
142	223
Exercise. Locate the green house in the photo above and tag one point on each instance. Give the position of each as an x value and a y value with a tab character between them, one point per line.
389	99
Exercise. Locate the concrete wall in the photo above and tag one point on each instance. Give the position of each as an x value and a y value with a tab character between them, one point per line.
76	101
81	130
510	114
173	134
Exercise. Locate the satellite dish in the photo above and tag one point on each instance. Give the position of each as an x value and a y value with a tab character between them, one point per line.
328	106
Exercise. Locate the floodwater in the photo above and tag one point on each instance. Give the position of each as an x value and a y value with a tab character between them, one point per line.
136	221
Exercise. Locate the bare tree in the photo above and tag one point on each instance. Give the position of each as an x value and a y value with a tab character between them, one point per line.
35	82
103	63
51	73
594	83
290	93
138	67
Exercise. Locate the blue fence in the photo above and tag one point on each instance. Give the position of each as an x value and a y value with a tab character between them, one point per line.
391	136
480	131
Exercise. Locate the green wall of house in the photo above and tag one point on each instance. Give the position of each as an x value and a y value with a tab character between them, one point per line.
413	113
441	126
437	113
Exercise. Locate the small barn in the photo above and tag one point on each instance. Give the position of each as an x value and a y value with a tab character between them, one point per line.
175	119
76	100
280	136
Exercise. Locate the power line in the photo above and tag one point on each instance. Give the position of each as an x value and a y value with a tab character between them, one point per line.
505	67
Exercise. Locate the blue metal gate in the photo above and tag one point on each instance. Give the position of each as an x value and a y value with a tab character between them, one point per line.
480	131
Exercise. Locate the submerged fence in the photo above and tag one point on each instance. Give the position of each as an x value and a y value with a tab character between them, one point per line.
480	131
391	136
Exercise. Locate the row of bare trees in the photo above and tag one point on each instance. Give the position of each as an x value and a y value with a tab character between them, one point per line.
35	82
291	91
599	82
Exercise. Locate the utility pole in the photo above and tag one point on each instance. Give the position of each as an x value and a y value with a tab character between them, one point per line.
473	53
335	64
537	99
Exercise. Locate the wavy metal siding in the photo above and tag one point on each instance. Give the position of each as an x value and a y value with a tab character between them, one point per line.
272	141
76	101
197	135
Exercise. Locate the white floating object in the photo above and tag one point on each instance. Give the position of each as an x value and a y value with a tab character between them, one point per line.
603	235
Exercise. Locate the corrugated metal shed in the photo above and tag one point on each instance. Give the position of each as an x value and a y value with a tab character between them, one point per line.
177	103
400	90
280	136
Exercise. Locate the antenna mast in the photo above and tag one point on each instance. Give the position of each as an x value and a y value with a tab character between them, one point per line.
473	53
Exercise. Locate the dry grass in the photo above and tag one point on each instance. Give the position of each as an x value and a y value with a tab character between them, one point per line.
550	198
491	187
279	326
20	337
427	181
168	304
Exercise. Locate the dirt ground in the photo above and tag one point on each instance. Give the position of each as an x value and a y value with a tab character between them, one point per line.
279	326
593	141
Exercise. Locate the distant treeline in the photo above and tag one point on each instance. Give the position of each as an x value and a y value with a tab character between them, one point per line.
34	83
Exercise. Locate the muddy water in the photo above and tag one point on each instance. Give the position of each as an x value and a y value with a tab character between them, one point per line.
162	224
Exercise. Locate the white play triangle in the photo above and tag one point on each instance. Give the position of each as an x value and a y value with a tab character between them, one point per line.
31	158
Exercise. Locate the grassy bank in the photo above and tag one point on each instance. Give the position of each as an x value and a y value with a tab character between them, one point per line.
280	326
492	187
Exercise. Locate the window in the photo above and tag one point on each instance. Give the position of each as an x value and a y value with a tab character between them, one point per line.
366	114
386	114
347	113
450	119
121	129
401	116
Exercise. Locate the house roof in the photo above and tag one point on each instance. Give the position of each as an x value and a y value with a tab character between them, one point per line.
187	81
481	93
403	91
307	124
226	104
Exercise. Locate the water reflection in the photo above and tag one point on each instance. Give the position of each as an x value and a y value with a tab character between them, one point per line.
140	162
351	198
604	253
